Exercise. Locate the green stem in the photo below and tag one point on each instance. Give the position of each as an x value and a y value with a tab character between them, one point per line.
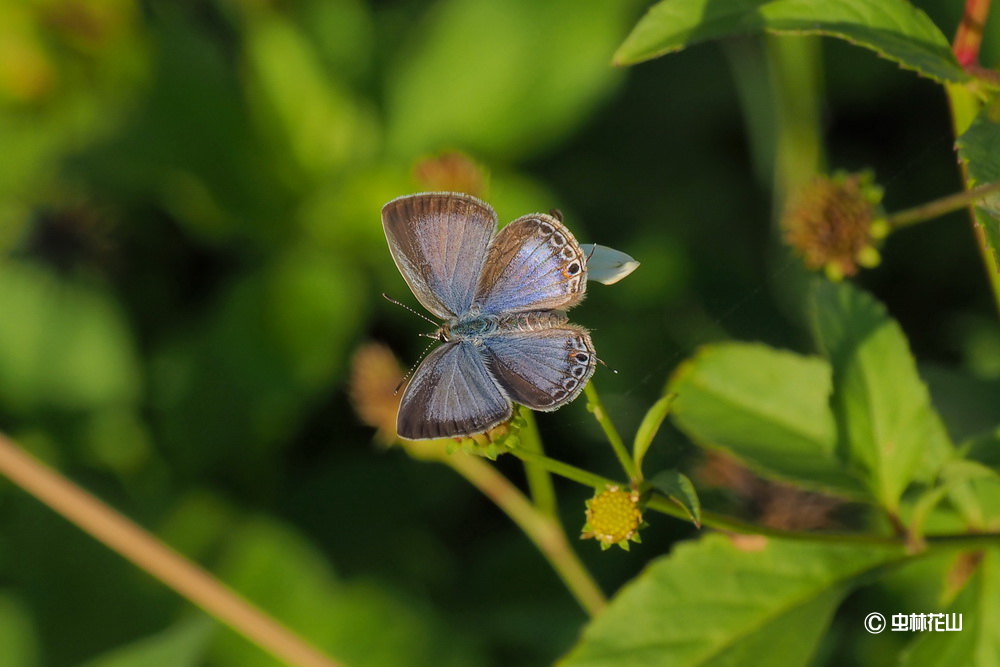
664	505
566	470
969	36
965	105
733	525
617	444
539	481
147	552
939	207
544	531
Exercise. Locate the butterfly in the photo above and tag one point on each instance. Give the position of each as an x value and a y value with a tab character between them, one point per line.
502	296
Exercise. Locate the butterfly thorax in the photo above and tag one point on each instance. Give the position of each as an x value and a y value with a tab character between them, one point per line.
478	325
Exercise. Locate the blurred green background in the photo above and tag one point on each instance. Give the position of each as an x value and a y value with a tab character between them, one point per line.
191	253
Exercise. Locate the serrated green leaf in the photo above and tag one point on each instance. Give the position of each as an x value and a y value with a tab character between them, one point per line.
892	28
768	408
183	644
978	642
679	488
715	602
979	148
649	427
887	428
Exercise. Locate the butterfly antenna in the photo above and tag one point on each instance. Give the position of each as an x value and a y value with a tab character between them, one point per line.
601	362
556	213
413	367
403	305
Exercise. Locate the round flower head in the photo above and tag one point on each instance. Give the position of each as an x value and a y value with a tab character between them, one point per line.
613	517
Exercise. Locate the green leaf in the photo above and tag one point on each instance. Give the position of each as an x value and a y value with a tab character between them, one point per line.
766	407
978	496
503	79
62	343
649	427
18	637
977	643
676	486
241	381
888	430
329	132
720	602
959	477
182	645
892	28
358	622
979	148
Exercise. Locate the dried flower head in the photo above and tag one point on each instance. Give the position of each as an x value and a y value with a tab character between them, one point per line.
375	373
774	504
613	517
451	172
835	223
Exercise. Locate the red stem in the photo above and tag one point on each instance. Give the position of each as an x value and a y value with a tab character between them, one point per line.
970	32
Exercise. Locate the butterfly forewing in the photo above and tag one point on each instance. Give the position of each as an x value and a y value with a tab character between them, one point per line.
439	242
534	263
542	369
451	394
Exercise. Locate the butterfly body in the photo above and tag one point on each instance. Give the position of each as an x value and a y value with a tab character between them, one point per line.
506	337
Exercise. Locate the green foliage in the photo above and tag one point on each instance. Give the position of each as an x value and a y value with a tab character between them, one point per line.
767	407
892	28
979	148
716	601
976	644
887	429
190	257
183	644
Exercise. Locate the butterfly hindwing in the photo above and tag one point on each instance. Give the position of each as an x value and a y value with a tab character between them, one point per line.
542	369
451	394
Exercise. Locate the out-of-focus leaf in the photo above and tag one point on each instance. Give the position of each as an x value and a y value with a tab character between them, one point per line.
182	645
979	607
968	404
766	407
358	622
18	638
979	148
343	34
276	339
679	488
117	439
887	428
978	496
312	112
720	601
962	479
892	28
503	79
62	344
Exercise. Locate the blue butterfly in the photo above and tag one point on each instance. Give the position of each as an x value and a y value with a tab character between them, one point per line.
503	299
